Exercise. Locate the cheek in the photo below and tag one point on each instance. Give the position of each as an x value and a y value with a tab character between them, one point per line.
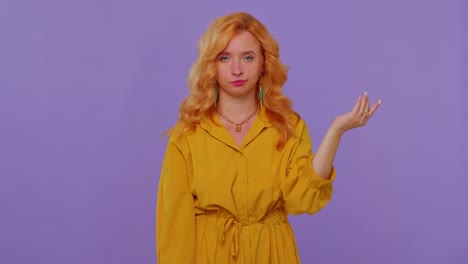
221	74
218	74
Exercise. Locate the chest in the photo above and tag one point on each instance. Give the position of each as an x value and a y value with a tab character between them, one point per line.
219	169
238	132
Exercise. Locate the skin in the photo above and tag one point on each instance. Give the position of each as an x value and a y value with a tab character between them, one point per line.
243	60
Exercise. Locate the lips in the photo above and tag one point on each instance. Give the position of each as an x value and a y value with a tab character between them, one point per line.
238	82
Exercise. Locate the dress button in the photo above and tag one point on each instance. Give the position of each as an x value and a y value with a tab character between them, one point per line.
246	235
243	180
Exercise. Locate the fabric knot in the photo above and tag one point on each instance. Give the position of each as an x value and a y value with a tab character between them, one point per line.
228	224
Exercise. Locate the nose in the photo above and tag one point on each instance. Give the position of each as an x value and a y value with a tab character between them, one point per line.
237	68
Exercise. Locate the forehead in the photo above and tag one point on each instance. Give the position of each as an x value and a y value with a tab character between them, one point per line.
243	41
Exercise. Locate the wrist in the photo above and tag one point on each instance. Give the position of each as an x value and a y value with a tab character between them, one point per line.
336	129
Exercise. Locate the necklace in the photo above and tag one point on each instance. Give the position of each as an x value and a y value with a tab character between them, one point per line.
238	125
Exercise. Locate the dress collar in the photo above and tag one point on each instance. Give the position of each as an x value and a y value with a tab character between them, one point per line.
216	129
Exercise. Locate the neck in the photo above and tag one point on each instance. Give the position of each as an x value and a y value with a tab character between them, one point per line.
237	110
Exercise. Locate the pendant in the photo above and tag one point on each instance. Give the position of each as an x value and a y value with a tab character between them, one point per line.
238	128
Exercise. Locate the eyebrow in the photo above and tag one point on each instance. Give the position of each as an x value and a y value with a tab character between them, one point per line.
245	52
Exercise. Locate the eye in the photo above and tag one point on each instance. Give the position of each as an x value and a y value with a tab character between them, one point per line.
223	58
248	58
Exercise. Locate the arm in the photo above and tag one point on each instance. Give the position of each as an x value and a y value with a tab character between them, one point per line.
175	215
303	190
359	116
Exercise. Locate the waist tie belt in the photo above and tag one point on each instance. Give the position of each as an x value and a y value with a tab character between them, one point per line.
226	223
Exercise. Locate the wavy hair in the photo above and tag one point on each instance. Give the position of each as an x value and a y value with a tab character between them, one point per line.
199	104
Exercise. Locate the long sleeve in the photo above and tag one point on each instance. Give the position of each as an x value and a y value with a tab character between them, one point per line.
303	190
175	216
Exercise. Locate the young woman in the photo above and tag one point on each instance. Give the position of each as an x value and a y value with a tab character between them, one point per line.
239	159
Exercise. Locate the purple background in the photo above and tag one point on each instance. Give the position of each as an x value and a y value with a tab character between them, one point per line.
87	88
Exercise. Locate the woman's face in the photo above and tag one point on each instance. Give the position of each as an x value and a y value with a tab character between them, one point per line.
239	67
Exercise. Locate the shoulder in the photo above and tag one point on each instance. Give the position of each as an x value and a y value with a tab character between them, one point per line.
182	134
297	123
178	134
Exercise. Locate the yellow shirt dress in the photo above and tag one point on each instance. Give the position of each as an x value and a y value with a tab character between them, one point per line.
223	203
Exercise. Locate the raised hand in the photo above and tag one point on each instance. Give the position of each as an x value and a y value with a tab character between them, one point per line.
358	117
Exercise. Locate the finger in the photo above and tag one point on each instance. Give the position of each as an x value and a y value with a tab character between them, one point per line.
364	103
367	105
375	107
367	112
357	106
